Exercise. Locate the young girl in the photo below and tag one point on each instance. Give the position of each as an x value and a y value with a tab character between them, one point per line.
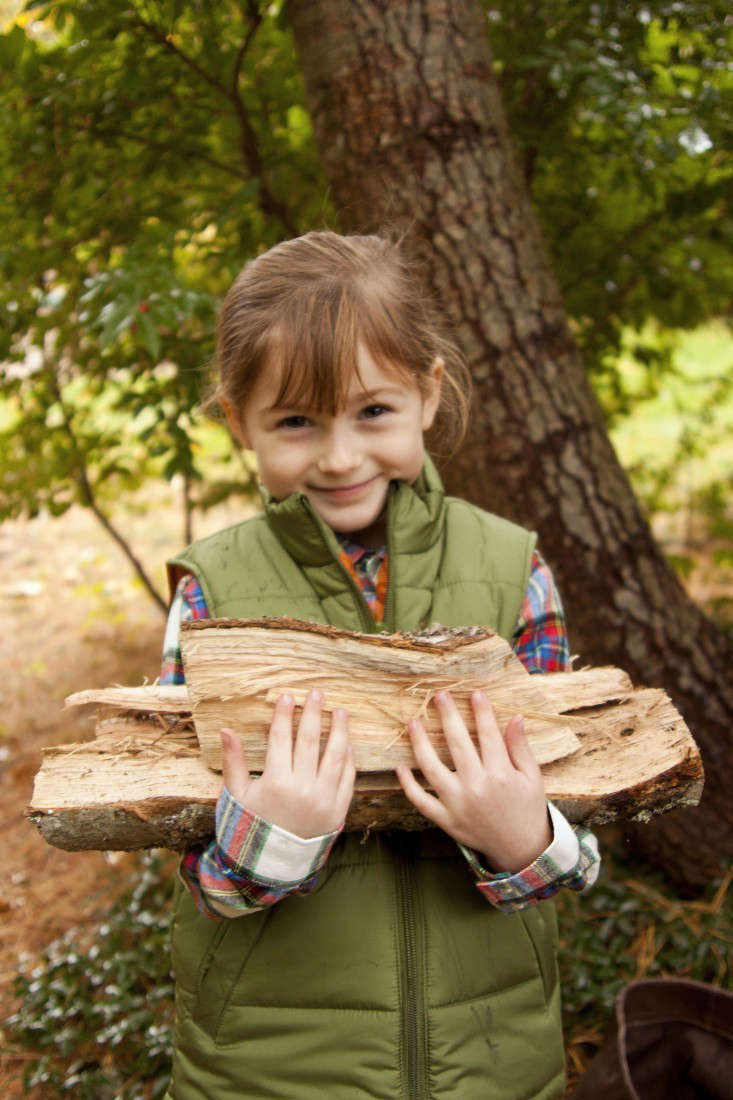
313	963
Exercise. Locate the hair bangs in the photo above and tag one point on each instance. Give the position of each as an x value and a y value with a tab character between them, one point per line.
315	347
384	332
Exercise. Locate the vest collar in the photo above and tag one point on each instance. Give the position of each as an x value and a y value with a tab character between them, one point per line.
414	520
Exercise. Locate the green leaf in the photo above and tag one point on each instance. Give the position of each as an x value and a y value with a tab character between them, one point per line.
11	46
150	335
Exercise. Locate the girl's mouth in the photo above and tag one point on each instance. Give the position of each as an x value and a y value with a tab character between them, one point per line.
344	492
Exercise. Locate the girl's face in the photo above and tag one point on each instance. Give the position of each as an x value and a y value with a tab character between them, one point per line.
345	462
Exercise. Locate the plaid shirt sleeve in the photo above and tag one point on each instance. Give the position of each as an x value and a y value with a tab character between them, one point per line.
188	604
251	864
572	860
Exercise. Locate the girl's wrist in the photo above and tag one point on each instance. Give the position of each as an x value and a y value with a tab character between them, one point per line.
517	857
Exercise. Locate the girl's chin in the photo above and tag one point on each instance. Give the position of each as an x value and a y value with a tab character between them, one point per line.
368	531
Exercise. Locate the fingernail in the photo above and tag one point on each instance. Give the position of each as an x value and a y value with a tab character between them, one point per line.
479	697
316	695
286	700
441	696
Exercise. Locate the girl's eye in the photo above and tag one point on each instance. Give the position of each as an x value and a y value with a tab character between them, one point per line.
371	412
293	422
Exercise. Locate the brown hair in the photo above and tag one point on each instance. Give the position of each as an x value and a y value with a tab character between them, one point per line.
307	303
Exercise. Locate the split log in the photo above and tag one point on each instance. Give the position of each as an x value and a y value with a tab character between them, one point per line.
236	669
144	783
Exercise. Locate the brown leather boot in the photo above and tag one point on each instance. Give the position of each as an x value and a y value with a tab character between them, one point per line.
673	1041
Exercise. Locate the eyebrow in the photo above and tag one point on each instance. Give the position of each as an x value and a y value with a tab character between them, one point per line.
383	392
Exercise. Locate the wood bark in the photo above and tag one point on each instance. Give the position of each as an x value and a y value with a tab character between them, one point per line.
143	783
408	118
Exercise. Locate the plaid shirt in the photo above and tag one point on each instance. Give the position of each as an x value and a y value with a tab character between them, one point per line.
251	864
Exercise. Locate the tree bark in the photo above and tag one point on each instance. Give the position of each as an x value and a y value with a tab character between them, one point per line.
412	132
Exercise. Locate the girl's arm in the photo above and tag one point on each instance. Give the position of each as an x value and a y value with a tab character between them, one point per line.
257	858
521	848
274	833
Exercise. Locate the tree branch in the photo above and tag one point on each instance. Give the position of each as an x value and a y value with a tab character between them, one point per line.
249	145
88	496
255	21
150	143
165	40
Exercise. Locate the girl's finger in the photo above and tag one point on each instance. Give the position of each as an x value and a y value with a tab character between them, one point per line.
438	776
428	805
462	749
337	745
518	748
308	738
279	755
491	741
234	766
345	790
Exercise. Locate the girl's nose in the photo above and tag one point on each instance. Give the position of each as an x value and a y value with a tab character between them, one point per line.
340	453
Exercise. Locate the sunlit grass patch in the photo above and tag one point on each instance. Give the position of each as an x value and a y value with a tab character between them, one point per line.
677	437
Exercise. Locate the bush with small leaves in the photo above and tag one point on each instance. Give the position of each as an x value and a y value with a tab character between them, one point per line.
98	1005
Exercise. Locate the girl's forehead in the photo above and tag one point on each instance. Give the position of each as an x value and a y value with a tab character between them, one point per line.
332	385
371	374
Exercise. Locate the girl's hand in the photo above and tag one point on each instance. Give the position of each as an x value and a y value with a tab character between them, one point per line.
296	791
494	801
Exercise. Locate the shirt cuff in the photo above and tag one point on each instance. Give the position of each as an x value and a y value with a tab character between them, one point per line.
505	889
264	852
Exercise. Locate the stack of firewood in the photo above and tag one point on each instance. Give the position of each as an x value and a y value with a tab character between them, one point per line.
150	777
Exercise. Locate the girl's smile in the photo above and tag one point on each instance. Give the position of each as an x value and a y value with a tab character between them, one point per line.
343	463
343	492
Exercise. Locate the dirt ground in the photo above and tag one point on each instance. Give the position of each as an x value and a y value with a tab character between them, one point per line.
73	617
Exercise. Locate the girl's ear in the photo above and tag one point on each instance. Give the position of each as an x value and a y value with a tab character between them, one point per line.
431	401
235	424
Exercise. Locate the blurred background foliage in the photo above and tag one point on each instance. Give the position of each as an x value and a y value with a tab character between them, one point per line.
150	148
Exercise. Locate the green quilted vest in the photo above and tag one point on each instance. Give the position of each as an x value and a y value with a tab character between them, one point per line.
394	978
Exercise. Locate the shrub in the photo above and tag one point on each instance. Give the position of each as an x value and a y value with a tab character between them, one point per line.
98	1005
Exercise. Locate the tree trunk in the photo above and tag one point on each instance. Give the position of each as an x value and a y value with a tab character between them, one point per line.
408	118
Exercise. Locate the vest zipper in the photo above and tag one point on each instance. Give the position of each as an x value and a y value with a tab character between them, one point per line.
388	617
367	619
413	1036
